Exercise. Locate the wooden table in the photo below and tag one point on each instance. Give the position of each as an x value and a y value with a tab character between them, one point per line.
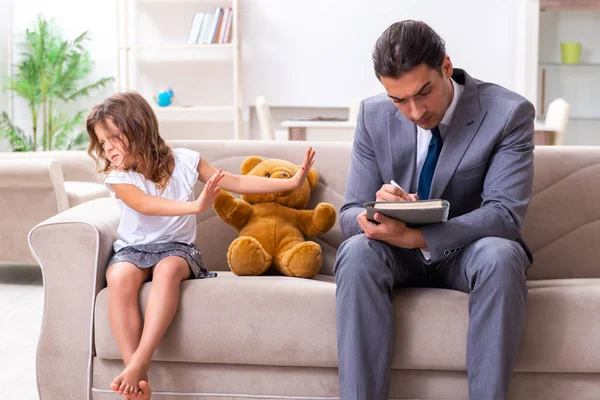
297	128
543	135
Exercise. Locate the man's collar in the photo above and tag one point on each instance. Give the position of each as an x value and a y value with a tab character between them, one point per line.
458	89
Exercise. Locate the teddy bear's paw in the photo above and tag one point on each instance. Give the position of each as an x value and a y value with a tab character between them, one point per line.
224	204
304	260
324	217
246	256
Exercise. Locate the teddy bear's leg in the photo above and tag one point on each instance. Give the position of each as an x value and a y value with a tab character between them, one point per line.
246	256
303	260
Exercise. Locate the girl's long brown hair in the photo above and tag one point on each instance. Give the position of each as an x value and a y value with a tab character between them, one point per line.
147	152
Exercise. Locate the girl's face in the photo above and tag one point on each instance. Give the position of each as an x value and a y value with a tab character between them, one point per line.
113	143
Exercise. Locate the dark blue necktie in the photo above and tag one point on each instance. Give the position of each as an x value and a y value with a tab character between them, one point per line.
433	153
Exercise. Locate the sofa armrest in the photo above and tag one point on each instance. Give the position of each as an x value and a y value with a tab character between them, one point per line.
72	249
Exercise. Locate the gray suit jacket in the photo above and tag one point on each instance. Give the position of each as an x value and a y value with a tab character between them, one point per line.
485	168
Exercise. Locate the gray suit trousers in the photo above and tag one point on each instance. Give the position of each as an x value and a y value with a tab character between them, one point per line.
492	270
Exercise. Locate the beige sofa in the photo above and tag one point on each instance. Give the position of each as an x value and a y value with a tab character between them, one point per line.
36	186
274	337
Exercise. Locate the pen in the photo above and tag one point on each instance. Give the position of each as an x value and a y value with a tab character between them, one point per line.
393	182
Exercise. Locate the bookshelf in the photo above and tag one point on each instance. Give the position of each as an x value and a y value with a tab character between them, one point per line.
576	83
154	53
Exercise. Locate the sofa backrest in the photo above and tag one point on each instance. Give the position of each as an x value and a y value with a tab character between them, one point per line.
562	226
31	191
76	165
332	159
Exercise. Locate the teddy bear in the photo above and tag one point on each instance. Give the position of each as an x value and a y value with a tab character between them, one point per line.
272	226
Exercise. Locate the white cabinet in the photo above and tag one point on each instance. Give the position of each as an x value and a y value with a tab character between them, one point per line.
154	53
578	84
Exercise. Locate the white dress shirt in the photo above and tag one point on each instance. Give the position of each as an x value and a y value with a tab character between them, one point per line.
424	137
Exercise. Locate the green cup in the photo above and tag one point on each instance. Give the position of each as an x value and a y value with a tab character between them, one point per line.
570	52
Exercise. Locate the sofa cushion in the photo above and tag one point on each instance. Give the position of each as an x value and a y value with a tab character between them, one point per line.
268	320
275	320
79	192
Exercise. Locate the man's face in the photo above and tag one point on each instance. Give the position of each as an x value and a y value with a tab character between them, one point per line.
422	94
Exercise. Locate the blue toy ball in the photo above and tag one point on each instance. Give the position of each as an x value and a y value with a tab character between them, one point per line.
165	98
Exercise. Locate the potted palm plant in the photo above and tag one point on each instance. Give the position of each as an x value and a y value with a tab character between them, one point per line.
51	73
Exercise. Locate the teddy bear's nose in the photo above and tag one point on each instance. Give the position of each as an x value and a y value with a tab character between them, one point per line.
284	175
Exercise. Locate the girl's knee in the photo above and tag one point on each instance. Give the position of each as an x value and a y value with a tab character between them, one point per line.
125	276
171	269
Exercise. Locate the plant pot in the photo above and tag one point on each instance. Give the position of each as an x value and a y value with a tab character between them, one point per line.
570	52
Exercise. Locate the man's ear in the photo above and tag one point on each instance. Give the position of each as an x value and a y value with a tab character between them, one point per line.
313	178
250	163
447	68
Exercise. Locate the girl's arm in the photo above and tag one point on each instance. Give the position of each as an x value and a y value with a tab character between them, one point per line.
247	184
159	206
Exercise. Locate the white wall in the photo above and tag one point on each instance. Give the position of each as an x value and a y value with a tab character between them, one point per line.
300	54
526	45
4	50
318	53
74	17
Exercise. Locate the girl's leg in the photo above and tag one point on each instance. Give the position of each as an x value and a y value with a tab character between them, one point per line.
124	281
161	308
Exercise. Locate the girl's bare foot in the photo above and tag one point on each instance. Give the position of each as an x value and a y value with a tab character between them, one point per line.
144	393
127	383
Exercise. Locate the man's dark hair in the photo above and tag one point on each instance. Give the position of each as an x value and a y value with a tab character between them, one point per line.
406	45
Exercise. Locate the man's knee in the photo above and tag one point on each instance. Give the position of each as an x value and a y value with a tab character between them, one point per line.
503	259
360	256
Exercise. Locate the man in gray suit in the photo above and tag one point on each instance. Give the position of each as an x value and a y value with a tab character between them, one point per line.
442	134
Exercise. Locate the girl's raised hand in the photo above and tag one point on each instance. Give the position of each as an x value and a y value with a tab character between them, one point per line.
210	192
309	160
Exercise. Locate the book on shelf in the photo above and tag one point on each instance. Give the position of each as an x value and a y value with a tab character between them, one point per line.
226	37
211	27
215	25
222	25
204	30
413	213
195	29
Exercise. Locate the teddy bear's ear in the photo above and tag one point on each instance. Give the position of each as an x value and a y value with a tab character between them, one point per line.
250	163
313	178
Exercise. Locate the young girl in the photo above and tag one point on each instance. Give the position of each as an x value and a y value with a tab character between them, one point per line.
154	186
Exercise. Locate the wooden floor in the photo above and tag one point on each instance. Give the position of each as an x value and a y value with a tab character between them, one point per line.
21	303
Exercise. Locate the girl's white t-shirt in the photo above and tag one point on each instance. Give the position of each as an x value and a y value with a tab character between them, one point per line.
135	228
